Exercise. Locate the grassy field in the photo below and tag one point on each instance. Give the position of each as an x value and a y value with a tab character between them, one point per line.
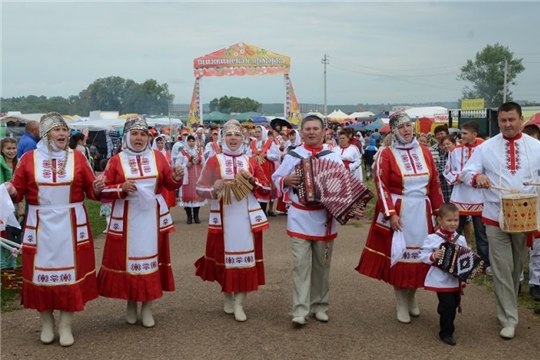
9	299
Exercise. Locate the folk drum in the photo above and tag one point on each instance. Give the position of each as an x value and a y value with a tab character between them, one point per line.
519	213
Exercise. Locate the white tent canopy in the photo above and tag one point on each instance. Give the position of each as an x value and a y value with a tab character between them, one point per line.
361	114
338	115
12	115
429	112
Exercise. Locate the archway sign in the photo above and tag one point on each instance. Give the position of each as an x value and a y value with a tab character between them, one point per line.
239	60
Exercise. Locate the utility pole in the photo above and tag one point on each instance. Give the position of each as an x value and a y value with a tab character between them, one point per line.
505	77
325	61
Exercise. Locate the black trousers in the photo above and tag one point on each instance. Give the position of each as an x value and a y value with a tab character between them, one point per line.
448	304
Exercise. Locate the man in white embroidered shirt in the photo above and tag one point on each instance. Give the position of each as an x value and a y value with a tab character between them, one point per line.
311	229
507	160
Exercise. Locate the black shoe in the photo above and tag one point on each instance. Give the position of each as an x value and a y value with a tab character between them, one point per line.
271	213
189	221
535	292
537	310
449	340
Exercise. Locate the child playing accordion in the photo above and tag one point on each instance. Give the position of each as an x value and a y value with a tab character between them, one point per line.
447	286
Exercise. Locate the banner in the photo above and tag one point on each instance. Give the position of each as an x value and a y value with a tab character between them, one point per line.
472	104
239	60
194	116
293	115
441	118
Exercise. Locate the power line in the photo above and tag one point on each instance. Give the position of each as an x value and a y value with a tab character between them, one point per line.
396	70
397	78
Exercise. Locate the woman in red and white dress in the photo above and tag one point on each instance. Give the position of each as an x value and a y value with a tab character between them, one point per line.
136	262
409	194
58	249
265	151
234	249
192	160
349	155
159	145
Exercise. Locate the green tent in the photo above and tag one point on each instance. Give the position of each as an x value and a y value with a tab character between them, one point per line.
246	116
216	116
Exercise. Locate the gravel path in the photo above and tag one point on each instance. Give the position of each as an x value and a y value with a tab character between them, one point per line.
190	323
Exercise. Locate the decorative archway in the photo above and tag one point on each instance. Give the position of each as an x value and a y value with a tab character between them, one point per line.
239	60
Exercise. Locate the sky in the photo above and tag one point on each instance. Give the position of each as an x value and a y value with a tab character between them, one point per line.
379	52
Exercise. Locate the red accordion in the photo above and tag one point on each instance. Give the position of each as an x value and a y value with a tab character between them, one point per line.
328	183
460	261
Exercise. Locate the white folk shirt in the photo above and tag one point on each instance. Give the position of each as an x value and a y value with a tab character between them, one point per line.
437	279
304	223
350	155
507	163
469	200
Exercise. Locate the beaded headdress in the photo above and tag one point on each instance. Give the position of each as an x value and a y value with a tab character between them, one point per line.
398	119
232	126
135	123
49	121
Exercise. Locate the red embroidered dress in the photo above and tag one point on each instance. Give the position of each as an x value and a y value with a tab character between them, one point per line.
407	185
136	262
58	249
268	148
234	249
188	195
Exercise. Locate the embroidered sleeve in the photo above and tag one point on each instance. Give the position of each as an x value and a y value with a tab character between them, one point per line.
113	180
382	182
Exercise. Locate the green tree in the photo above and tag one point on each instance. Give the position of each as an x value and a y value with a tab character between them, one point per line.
57	103
148	97
486	74
214	104
228	104
107	94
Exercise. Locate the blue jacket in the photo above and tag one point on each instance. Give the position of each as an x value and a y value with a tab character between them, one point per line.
27	143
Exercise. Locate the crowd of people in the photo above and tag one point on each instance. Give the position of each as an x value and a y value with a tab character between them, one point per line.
427	195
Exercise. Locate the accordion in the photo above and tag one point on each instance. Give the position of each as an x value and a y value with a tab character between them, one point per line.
332	185
460	261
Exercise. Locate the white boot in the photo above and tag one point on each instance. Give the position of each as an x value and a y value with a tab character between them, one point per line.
228	307
146	315
402	305
238	307
414	310
64	328
131	313
47	326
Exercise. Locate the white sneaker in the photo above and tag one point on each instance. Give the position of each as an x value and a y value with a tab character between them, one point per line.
321	316
299	321
508	332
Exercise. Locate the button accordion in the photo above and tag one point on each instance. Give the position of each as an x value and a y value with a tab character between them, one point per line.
460	261
329	183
